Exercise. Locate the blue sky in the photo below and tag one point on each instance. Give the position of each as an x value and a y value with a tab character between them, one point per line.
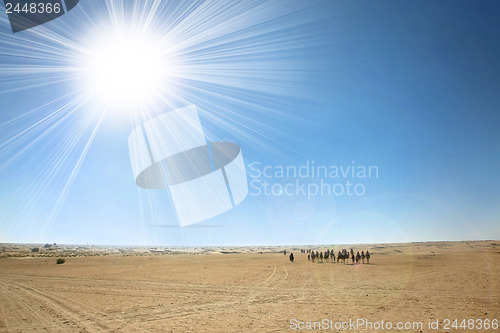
409	87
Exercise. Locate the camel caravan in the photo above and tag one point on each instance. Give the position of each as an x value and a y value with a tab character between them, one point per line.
342	257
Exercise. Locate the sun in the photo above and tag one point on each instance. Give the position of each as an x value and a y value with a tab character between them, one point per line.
126	70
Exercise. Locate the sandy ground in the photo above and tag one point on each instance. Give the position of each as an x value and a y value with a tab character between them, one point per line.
155	290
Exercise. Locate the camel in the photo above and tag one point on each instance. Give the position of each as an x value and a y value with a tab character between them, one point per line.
342	256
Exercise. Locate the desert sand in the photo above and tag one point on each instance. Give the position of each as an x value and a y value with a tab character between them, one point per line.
108	289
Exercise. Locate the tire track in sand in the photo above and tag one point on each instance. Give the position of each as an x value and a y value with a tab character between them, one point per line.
70	315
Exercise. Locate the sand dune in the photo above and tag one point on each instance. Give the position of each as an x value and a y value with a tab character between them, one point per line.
232	289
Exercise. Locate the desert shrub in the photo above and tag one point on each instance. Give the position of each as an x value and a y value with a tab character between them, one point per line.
35	249
60	261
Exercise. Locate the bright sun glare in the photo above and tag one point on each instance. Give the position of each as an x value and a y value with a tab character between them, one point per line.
125	71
